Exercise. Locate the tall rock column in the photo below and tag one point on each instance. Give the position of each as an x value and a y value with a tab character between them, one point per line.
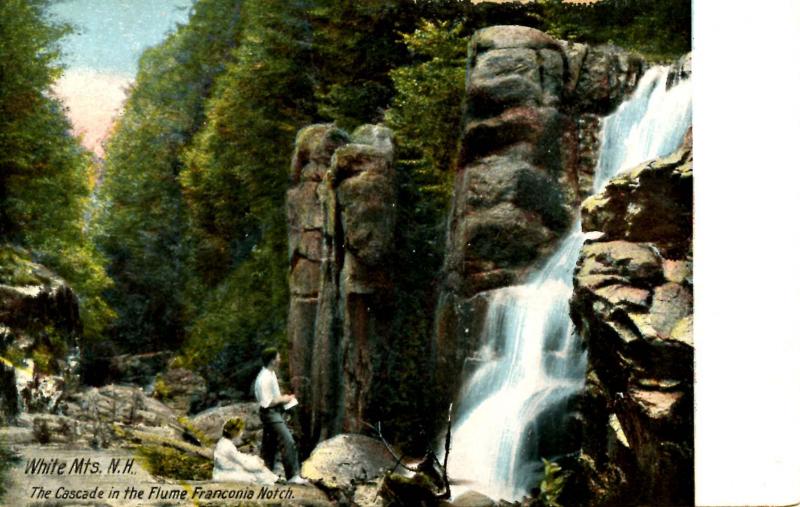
347	287
528	148
314	148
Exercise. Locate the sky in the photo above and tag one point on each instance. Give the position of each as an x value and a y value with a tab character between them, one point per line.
101	55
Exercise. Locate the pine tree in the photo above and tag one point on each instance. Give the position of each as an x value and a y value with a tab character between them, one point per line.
143	223
44	172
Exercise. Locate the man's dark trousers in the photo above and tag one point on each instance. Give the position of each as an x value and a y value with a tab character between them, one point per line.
275	434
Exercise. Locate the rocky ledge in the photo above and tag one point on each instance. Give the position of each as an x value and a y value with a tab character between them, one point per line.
633	304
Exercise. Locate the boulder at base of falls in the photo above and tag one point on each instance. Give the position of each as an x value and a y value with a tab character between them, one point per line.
633	305
210	422
473	499
346	460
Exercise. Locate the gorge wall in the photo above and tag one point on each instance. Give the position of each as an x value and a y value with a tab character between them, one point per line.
528	150
529	145
341	212
633	305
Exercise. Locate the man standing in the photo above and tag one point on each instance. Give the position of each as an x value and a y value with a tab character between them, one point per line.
271	405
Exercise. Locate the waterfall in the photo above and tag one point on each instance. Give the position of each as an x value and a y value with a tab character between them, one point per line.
516	407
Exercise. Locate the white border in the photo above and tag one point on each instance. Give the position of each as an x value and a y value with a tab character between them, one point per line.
746	75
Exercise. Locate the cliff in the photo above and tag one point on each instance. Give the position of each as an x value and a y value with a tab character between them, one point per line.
341	211
633	305
39	324
528	149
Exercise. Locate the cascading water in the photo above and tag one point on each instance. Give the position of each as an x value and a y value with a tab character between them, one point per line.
514	409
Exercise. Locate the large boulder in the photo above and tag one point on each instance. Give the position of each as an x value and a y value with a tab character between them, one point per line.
210	422
347	460
633	304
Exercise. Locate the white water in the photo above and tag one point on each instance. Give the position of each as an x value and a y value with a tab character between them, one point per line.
532	361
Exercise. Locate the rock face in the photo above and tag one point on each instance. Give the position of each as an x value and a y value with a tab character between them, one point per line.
181	389
341	211
528	149
139	369
38	316
633	304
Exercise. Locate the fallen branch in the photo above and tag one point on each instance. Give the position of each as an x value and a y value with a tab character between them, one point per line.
427	467
447	439
141	437
398	459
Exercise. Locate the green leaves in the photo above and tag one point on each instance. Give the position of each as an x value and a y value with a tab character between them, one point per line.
659	29
552	484
44	173
143	224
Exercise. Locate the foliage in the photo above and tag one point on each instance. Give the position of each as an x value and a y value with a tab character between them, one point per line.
16	268
423	113
426	109
552	484
195	433
167	462
659	29
354	47
241	316
142	223
235	183
44	173
235	175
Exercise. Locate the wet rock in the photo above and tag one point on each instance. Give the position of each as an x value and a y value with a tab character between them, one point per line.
651	203
634	262
633	304
416	490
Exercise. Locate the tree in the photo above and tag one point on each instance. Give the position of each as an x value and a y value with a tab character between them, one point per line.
44	172
143	219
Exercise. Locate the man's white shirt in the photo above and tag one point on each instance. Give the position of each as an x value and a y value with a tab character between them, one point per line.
266	388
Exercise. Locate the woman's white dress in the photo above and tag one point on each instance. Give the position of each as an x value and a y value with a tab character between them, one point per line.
230	465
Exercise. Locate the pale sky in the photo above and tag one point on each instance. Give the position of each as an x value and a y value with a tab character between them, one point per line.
101	56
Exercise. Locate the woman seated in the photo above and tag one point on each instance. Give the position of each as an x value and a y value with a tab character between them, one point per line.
230	465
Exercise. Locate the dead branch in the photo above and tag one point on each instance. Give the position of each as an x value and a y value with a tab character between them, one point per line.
143	438
447	438
398	459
